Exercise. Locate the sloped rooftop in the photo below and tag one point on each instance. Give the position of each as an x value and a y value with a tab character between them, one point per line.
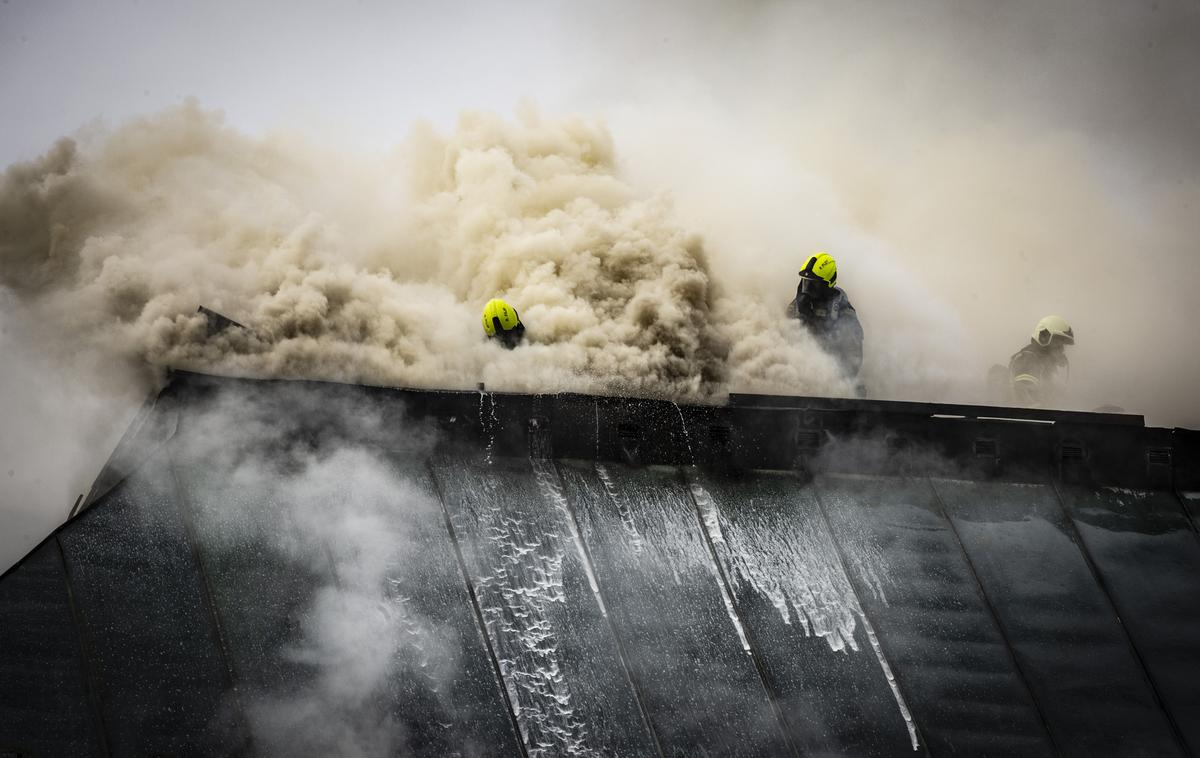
281	568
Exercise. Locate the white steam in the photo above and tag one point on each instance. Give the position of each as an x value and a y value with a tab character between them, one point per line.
357	635
61	414
336	528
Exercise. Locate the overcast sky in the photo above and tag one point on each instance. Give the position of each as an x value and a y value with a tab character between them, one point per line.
1124	71
370	68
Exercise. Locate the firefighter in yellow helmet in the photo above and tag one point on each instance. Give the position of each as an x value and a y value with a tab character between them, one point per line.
1039	370
823	308
501	322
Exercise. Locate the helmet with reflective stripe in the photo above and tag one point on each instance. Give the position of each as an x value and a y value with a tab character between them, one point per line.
1053	328
820	266
499	316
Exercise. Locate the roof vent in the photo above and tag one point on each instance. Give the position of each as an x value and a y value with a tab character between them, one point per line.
985	448
808	438
1072	451
1158	456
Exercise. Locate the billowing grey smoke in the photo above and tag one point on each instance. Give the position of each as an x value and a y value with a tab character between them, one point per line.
343	275
973	166
347	267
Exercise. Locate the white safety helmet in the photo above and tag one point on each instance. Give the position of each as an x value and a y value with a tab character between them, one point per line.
1051	327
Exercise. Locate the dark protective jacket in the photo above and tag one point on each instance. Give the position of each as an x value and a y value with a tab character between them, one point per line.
834	323
512	337
1037	373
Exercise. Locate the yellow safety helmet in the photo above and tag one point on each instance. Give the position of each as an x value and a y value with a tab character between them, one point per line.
1052	327
820	266
499	316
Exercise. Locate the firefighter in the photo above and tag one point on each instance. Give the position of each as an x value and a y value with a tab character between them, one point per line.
1038	371
501	322
823	308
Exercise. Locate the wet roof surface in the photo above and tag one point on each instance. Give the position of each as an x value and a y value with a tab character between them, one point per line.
295	569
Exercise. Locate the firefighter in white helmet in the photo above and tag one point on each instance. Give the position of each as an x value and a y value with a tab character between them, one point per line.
1039	370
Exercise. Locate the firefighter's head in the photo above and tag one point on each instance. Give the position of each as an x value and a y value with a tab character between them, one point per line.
1053	332
818	276
500	321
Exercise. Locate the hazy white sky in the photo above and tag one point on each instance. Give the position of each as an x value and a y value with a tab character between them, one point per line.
1124	71
368	68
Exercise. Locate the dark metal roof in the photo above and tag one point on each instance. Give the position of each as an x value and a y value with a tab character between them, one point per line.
274	567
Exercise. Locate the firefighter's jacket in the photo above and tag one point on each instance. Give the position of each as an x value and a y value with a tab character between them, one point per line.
834	323
1038	373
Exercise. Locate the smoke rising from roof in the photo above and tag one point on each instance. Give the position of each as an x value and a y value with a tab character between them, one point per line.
341	274
973	168
334	534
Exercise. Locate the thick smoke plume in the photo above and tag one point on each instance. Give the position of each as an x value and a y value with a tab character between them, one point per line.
376	272
973	166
